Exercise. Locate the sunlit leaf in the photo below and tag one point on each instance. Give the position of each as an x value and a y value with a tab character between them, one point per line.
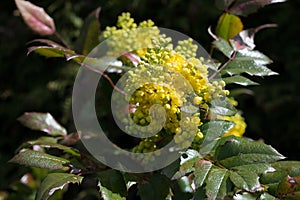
240	80
289	188
236	151
245	179
202	168
224	46
42	122
54	182
107	194
216	183
51	51
36	18
222	107
228	26
40	160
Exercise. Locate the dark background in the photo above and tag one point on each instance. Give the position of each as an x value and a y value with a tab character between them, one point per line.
35	83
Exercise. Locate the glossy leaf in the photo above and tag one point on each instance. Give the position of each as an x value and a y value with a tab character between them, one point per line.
202	168
222	107
107	194
157	187
54	182
89	36
244	196
215	128
235	151
51	51
113	181
42	122
40	160
187	161
246	7
224	46
240	80
216	183
245	179
50	142
250	62
266	196
228	26
36	18
292	168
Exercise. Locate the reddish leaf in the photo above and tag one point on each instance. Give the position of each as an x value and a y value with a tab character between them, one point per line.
36	18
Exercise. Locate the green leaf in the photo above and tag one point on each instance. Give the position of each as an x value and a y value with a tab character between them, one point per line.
245	196
55	181
228	26
245	179
216	183
266	196
222	107
157	187
240	80
89	36
106	194
51	51
113	181
235	151
42	122
187	161
246	7
250	62
257	168
224	46
40	160
50	142
292	168
202	168
215	128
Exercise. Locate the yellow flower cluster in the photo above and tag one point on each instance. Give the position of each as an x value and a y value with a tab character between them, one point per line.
138	37
172	78
240	126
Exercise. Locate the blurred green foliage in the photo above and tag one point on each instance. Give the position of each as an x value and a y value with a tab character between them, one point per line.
33	84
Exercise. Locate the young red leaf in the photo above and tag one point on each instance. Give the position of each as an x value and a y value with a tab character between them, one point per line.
36	18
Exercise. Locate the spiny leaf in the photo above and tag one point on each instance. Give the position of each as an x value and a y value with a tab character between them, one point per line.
235	151
36	18
240	80
42	122
215	128
228	26
54	182
40	160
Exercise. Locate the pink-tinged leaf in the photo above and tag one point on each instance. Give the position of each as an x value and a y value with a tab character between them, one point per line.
36	18
47	42
246	7
42	122
245	39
